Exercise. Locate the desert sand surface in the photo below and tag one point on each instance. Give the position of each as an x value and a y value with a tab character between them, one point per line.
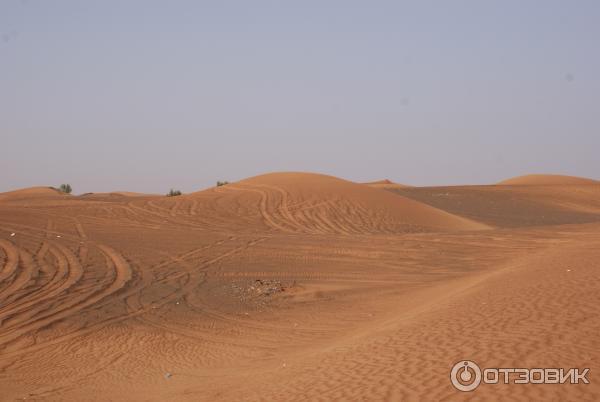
298	286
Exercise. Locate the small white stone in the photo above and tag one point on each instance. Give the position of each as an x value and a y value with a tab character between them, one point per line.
12	234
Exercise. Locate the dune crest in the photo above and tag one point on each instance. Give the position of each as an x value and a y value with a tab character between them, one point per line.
386	184
31	193
116	194
546	180
384	181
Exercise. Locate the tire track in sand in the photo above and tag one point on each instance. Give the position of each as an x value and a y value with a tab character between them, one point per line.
21	278
62	279
83	249
12	259
122	275
267	216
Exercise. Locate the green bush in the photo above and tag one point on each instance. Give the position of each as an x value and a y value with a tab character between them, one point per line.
65	188
173	193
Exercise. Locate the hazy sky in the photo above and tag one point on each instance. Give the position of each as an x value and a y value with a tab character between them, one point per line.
147	95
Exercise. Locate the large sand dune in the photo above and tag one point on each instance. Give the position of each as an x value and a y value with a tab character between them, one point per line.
306	203
295	286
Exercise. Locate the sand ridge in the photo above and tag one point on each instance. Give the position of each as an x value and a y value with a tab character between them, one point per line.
385	184
546	180
32	193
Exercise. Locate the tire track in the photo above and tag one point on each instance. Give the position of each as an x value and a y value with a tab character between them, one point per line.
41	315
83	249
12	259
268	217
57	283
21	278
174	208
32	322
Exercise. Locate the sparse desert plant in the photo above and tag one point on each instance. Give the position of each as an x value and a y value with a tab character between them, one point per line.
222	183
173	193
65	188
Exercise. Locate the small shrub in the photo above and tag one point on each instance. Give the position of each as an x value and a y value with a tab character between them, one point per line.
173	193
65	188
222	183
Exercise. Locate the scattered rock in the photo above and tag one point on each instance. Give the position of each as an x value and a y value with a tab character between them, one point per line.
12	234
168	375
267	287
259	288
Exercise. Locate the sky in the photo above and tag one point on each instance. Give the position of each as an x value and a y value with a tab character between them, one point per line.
152	95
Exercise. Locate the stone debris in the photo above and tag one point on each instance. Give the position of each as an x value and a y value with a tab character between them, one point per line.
266	287
259	287
259	292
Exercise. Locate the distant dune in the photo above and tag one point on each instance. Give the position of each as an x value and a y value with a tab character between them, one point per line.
514	206
131	194
116	194
545	180
31	193
385	184
384	181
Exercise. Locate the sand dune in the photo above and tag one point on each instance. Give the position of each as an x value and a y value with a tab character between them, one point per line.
314	203
31	193
385	184
296	286
514	206
114	194
545	180
300	203
383	181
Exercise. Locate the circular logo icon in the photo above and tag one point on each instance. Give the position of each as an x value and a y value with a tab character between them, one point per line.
465	375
